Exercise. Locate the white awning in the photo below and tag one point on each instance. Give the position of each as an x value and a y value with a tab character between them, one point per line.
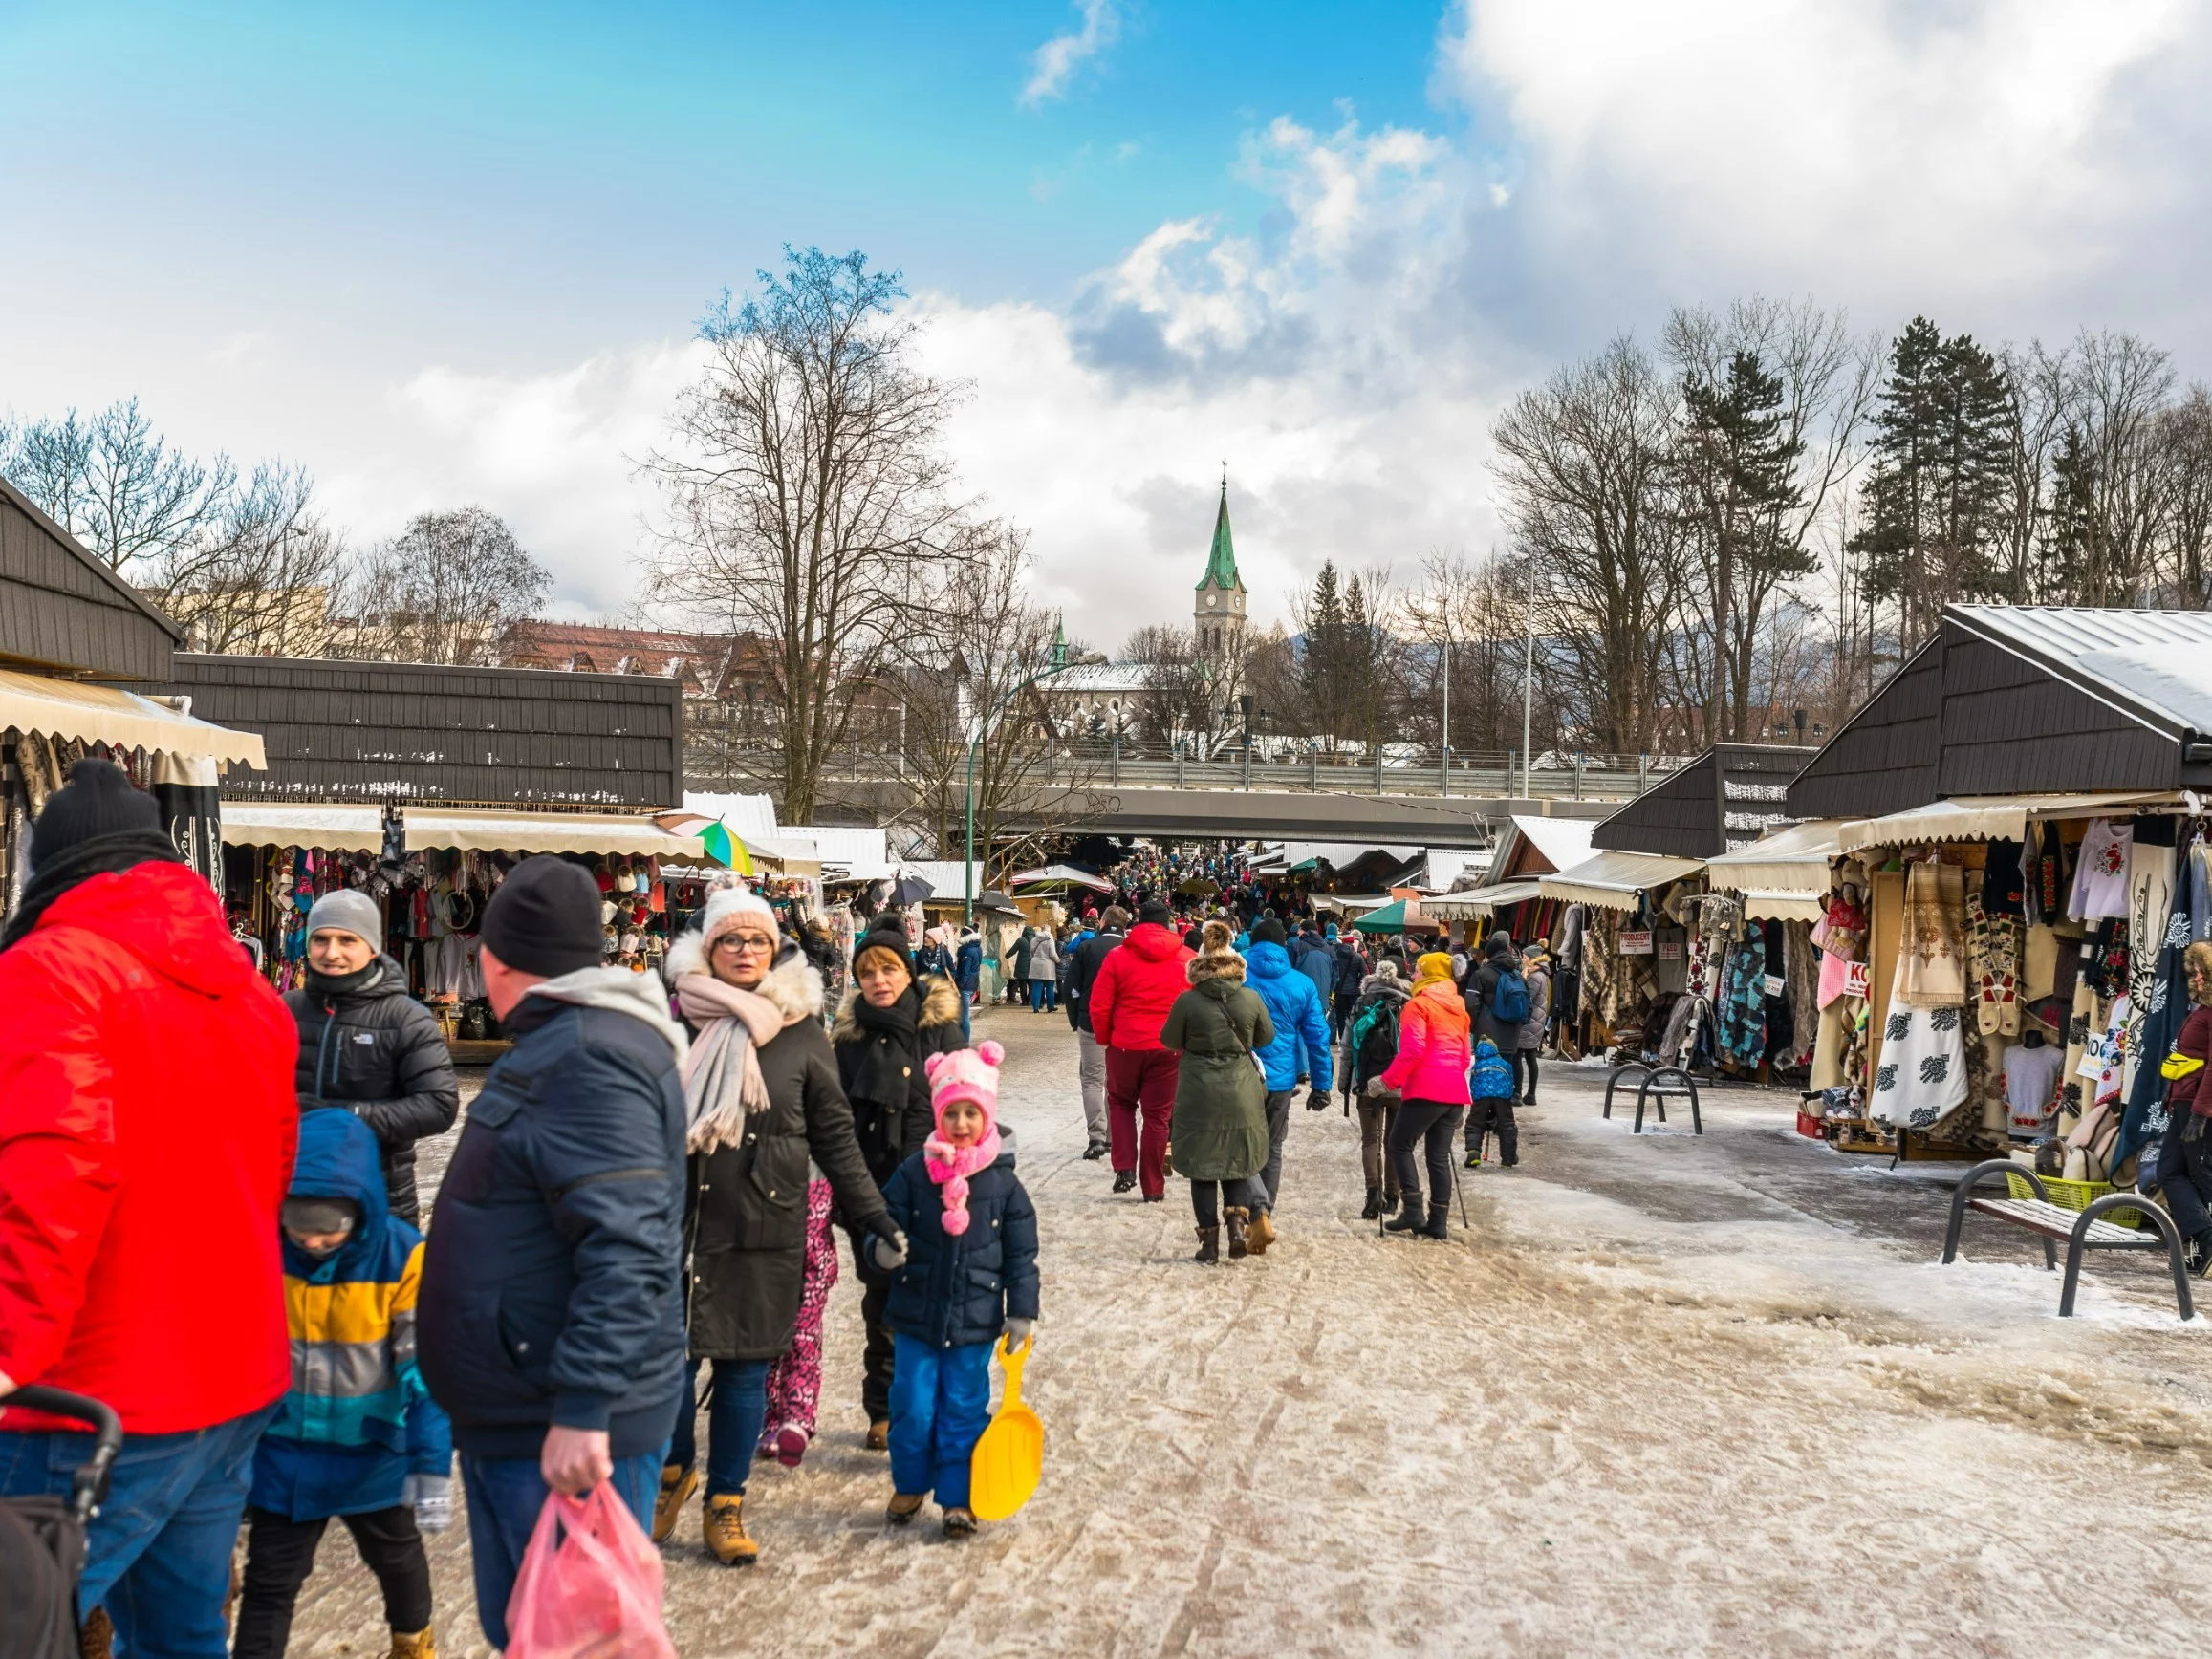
101	714
1764	904
1616	880
1470	902
1792	860
604	832
286	824
1989	817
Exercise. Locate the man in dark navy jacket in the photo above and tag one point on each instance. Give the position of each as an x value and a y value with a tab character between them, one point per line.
551	1314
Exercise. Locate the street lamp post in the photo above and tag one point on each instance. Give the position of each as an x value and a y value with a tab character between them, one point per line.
1055	663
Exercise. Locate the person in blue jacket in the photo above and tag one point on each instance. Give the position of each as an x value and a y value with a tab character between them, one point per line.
356	1435
1300	1050
967	974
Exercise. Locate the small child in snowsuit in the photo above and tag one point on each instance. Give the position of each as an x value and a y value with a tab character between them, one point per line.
357	1435
969	1273
1491	1087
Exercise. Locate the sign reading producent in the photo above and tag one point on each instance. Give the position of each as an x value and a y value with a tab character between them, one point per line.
1635	943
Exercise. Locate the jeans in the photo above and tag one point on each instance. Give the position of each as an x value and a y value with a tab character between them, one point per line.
736	1413
1269	1180
1206	1199
966	1009
1430	1123
280	1553
504	1497
1091	1067
158	1556
1141	1080
1495	1117
940	1406
1044	996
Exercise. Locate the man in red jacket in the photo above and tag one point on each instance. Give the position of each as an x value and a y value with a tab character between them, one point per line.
146	1135
1137	985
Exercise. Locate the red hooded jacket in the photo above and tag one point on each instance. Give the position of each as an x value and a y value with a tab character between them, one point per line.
148	1127
1137	985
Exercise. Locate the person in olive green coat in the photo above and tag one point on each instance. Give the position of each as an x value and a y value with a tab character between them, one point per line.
1219	1138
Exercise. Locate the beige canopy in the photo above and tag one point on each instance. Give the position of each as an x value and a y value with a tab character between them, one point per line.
1616	880
1791	860
602	832
1470	902
328	829
101	714
1989	817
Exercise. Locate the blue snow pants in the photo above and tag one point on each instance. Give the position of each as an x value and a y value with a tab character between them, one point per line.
940	1406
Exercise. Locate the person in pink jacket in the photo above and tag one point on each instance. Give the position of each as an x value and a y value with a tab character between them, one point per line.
1430	1074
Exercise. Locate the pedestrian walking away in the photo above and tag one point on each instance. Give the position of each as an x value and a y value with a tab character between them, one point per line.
1137	985
961	1250
1351	973
551	1314
885	1035
1370	1045
358	1436
1430	1078
761	1088
1497	993
1219	1026
967	974
1083	964
1301	1034
1536	970
148	1131
367	1046
1044	971
1490	1106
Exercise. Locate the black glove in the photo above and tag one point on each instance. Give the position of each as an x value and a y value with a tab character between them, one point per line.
1317	1101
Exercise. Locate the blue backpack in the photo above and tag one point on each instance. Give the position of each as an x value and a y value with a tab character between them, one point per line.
1509	1001
1493	1075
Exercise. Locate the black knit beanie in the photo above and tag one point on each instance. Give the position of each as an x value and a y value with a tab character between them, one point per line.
1156	911
545	919
887	932
98	800
1270	932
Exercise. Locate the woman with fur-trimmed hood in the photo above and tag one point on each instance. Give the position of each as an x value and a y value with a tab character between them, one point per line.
766	1110
1220	1132
892	1020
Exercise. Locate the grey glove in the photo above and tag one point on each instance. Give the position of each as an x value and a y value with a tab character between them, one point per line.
1374	1088
431	1497
890	1251
1317	1101
1018	1331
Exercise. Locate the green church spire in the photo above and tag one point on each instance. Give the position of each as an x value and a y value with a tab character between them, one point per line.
1221	564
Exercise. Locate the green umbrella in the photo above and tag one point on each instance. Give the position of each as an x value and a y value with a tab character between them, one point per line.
1390	919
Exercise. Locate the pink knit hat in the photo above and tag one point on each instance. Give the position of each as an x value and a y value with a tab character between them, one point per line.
970	1075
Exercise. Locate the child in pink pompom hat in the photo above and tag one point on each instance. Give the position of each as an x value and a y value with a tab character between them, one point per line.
967	1276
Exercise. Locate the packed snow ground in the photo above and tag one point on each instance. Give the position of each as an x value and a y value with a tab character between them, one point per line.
1670	1396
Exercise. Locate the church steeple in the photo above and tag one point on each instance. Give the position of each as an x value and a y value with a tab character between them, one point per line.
1218	613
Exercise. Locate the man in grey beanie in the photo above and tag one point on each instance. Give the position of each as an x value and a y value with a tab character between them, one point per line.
366	1045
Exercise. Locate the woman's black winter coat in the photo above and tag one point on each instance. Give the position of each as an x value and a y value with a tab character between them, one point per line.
377	1053
890	1131
747	1219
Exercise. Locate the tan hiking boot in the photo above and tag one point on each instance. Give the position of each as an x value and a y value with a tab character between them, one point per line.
726	1540
677	1485
420	1644
1260	1233
905	1506
879	1436
1234	1216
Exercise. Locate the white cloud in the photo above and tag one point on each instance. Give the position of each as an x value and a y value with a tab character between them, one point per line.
1053	64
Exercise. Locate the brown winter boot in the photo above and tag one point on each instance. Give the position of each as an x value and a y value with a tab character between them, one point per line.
677	1485
726	1538
903	1507
414	1644
1234	1216
1261	1232
1209	1246
879	1436
96	1639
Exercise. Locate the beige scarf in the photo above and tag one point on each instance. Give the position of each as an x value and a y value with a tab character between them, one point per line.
721	1077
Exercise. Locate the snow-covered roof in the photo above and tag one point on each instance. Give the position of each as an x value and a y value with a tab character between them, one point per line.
1560	842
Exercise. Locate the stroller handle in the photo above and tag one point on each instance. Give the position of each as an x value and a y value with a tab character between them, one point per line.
89	1488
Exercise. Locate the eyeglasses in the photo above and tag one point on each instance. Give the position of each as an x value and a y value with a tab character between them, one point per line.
737	944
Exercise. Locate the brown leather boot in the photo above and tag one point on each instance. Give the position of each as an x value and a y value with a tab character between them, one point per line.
879	1436
1209	1246
1234	1218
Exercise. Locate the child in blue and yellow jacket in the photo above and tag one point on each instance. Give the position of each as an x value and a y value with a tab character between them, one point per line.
1491	1088
356	1435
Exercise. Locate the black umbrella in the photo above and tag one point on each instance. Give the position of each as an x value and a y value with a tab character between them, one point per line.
909	890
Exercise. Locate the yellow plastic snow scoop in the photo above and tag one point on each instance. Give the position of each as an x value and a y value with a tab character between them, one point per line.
1010	1459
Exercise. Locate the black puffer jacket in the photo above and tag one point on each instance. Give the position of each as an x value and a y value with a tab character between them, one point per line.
891	1125
1083	964
553	1282
957	1291
377	1053
746	1218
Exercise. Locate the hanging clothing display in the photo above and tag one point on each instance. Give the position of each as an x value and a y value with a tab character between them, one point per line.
1741	1011
1801	985
2166	1006
2031	1088
2100	872
1931	954
1920	1077
1994	960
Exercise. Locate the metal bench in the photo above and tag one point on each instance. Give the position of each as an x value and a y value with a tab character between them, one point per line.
2081	1232
1619	1075
1656	1086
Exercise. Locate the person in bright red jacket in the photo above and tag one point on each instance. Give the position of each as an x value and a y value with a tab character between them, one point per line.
148	1127
1137	985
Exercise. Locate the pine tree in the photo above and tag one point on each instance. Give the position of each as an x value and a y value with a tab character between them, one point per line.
1322	666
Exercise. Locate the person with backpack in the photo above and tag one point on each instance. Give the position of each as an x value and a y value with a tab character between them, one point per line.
1351	969
1497	993
1536	969
1369	1048
1490	1087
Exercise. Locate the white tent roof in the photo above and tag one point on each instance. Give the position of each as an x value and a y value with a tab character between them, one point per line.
1792	860
1616	880
102	714
1470	902
1562	841
1986	817
284	824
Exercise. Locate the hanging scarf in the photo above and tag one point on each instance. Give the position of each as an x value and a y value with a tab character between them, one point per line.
950	1166
100	856
1931	956
722	1078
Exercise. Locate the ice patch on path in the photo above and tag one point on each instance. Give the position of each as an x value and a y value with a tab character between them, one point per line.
2018	1289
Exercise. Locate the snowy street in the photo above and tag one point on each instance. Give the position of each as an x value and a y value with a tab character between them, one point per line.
1670	1396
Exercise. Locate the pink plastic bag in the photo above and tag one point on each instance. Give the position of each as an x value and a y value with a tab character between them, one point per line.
590	1585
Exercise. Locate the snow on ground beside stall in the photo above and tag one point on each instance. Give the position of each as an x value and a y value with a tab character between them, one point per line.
1678	1395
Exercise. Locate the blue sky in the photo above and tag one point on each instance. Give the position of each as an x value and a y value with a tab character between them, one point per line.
454	253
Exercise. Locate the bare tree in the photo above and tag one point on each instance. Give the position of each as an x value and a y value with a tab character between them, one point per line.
809	499
264	578
1480	615
116	484
442	591
2185	441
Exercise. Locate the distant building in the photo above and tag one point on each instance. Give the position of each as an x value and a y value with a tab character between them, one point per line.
1218	612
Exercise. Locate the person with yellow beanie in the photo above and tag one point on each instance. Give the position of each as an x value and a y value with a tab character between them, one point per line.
1430	1074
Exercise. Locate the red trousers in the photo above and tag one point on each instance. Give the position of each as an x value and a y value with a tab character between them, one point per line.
1141	1081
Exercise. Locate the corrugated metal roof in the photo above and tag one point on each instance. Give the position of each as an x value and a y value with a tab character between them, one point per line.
2155	665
